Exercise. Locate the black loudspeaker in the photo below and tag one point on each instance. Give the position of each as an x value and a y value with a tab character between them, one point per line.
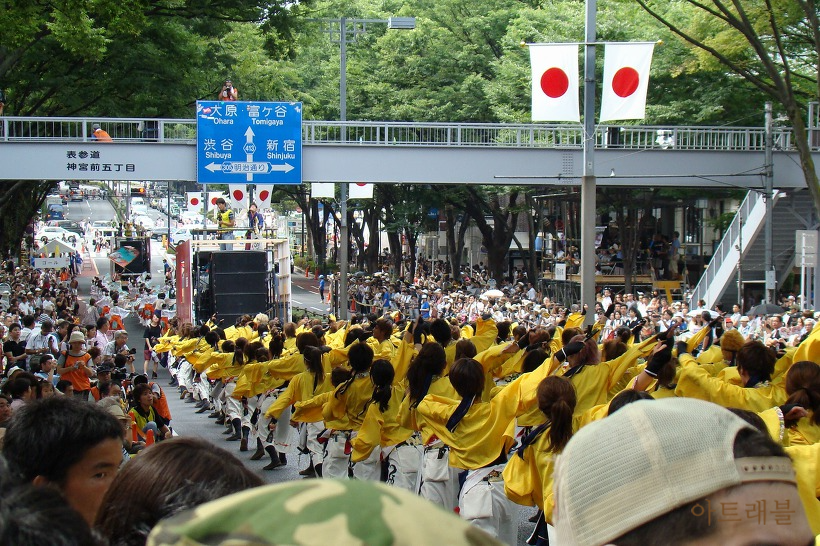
239	284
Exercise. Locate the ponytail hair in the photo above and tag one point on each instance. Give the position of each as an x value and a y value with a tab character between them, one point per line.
557	400
430	360
276	344
313	363
360	357
382	374
803	387
239	351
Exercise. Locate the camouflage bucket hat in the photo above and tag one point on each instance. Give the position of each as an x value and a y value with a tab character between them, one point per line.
338	512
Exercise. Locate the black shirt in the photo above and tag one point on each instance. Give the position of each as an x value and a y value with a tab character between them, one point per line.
16	348
152	333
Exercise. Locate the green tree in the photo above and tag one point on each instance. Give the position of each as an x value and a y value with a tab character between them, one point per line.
772	44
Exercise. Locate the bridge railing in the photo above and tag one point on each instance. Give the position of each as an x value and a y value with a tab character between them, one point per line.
380	133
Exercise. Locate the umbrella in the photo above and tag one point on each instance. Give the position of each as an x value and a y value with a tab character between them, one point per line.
494	293
699	312
765	309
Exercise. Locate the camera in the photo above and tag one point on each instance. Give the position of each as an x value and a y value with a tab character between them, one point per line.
133	351
119	375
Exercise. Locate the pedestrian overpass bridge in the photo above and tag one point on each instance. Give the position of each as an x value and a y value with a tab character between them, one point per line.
52	148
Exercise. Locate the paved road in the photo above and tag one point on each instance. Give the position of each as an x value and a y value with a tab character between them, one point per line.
185	420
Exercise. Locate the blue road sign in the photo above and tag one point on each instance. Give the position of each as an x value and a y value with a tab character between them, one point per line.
259	142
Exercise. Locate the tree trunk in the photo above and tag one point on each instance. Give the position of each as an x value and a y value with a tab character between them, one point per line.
394	243
412	240
455	241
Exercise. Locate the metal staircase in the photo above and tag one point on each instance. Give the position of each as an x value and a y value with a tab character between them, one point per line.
791	211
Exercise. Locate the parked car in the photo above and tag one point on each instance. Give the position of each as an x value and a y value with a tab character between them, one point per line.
48	233
160	229
69	225
179	235
146	221
55	212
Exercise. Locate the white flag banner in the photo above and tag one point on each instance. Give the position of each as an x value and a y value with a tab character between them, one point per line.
626	80
360	190
212	197
263	196
195	202
319	190
238	194
554	82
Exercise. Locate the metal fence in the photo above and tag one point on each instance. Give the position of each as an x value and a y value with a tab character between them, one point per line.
379	133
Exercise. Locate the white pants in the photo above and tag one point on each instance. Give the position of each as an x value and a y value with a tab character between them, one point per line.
311	433
487	507
246	417
216	395
335	461
281	436
232	405
438	480
204	387
186	376
370	468
403	464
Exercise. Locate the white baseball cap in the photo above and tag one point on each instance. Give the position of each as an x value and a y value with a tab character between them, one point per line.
683	447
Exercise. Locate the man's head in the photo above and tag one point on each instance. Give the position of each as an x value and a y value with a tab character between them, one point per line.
102	324
253	207
47	327
66	443
699	458
221	204
121	337
755	362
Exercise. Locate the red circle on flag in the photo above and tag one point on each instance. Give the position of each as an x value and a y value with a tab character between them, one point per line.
554	82
625	81
238	195
361	184
264	195
213	200
194	201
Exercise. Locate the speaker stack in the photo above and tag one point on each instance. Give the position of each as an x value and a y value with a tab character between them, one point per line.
239	284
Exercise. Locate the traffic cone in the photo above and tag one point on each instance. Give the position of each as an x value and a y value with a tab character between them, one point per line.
149	437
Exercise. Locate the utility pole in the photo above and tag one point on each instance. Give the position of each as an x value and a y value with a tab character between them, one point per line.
740	266
588	183
770	275
343	248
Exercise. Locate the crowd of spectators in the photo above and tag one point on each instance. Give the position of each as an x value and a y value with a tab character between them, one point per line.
420	389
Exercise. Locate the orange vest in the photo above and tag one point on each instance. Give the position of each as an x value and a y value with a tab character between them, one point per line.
161	404
79	379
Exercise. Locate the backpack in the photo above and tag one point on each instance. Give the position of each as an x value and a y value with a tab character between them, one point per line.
34	363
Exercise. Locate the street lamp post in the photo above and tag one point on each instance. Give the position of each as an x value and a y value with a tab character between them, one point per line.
344	30
588	182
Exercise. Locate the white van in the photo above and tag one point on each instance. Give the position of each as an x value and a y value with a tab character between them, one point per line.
138	210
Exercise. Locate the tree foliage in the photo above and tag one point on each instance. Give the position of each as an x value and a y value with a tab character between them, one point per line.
772	44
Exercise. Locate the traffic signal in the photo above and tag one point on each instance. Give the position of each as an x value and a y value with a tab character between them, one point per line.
137	192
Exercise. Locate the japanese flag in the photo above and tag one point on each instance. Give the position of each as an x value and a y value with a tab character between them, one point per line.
195	202
360	190
319	190
626	79
554	82
263	195
212	197
238	194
